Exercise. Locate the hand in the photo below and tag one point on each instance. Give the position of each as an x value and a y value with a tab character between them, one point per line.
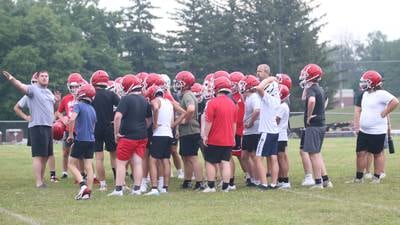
70	139
7	75
383	114
177	134
309	119
173	125
356	130
64	120
183	121
249	124
57	96
28	118
205	139
118	136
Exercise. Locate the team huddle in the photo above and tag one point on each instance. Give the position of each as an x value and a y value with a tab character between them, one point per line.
142	120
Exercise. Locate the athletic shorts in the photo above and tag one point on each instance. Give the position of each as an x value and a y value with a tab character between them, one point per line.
160	147
41	141
372	143
189	144
268	145
313	139
282	146
237	149
215	154
83	149
302	139
250	142
66	144
104	135
127	147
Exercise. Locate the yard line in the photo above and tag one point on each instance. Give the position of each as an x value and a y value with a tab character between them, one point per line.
19	217
374	206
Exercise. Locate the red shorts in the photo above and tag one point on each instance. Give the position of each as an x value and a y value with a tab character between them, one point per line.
127	147
237	153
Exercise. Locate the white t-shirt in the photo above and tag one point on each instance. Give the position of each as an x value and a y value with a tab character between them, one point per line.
269	109
283	114
165	116
252	103
372	105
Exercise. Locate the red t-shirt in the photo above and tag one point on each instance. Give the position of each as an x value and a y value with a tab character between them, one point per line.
239	123
67	106
222	113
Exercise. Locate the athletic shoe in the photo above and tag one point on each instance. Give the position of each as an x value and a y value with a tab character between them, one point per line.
54	179
116	193
186	185
64	175
284	185
86	194
231	188
355	181
137	192
375	180
263	187
368	176
43	185
226	190
383	175
181	174
80	193
143	186
95	180
317	187
163	191
103	188
327	184
199	188
209	190
308	181
154	192
251	184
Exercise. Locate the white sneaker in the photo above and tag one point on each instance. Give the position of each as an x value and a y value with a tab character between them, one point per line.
231	188
308	181
137	192
103	188
181	175
355	181
368	176
163	191
80	193
375	180
327	184
116	193
317	187
383	175
154	192
209	190
143	186
284	186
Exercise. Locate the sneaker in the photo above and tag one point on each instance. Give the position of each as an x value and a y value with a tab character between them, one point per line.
64	175
154	192
383	175
209	190
95	180
143	186
103	188
317	187
251	184
80	193
263	186
137	192
86	194
181	175
327	184
54	179
308	181
368	176
355	181
163	191
375	180
231	187
199	188
116	193
43	185
186	185
226	190
284	185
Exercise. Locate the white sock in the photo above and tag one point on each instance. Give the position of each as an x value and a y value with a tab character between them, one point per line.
103	183
309	176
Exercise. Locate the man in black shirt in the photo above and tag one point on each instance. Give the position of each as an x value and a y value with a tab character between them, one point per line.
314	123
104	104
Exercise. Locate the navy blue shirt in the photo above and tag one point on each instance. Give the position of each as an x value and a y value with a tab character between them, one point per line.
85	121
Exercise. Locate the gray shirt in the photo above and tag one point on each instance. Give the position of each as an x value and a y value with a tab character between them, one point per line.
40	102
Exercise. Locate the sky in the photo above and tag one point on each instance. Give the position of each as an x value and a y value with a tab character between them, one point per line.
345	19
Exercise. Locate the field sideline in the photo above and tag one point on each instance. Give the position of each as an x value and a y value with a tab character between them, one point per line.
365	203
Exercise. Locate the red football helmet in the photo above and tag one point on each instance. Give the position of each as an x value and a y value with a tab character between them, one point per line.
58	130
153	91
309	73
118	89
208	86
285	80
142	76
183	79
248	82
235	78
284	92
131	82
222	84
370	79
86	92
74	81
100	78
221	73
153	79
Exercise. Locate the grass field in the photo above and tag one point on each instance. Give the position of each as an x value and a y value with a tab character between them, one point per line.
21	203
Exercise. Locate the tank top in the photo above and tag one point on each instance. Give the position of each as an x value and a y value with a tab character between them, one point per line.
165	115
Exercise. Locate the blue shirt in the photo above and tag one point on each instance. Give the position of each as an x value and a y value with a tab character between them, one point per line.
85	121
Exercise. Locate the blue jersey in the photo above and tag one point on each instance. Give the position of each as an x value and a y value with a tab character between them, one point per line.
85	121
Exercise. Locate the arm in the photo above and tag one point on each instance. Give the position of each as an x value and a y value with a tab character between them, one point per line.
117	125
310	109
21	114
253	117
71	125
390	107
155	105
23	88
261	87
207	128
190	112
357	113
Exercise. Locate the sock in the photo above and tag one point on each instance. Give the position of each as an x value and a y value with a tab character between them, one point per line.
52	173
272	185
308	175
248	180
136	187
377	175
65	172
211	184
103	183
359	175
318	181
225	185
325	178
268	175
82	183
113	170
232	181
118	188
165	187
285	179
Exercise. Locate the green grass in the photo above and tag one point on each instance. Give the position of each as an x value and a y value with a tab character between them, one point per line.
331	117
344	204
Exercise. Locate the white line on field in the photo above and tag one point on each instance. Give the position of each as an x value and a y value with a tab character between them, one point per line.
314	195
19	217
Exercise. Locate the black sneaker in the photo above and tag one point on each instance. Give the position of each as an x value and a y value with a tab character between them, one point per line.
251	184
272	187
64	176
263	187
186	185
201	187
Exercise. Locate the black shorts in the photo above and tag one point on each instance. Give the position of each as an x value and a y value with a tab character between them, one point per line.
41	141
104	134
313	139
83	149
302	140
282	146
250	142
215	154
372	143
189	145
238	143
268	145
160	147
